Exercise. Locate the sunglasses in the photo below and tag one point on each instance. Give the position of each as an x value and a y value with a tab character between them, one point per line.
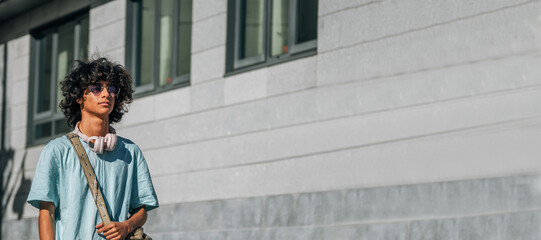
96	89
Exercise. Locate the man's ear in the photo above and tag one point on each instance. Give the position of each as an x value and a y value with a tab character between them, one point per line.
80	101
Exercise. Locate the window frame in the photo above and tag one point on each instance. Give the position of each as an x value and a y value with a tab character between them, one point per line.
3	81
133	44
234	65
36	62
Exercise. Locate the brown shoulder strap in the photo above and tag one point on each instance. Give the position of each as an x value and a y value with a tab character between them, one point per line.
90	178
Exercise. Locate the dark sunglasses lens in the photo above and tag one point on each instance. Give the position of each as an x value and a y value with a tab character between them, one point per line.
112	89
95	89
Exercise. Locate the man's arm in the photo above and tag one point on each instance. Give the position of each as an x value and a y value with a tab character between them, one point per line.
119	230
46	221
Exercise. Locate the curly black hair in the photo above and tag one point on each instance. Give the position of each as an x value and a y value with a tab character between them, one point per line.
90	72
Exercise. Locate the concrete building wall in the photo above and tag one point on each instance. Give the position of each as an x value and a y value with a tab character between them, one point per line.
415	120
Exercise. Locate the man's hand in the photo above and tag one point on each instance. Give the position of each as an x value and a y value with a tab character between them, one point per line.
115	230
119	230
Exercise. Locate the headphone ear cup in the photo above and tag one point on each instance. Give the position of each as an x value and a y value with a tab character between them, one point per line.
110	141
98	145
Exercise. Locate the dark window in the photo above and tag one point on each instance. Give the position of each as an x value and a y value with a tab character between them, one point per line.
53	53
159	44
264	32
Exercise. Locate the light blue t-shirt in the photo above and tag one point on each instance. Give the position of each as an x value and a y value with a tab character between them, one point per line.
122	175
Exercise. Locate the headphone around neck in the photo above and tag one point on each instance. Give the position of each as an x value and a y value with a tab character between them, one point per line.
100	143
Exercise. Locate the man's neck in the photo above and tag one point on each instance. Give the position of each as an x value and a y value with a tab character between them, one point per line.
94	126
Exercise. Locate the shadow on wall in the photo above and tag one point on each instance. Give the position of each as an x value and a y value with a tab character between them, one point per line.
8	182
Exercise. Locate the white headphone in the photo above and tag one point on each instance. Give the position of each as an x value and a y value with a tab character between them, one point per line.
109	141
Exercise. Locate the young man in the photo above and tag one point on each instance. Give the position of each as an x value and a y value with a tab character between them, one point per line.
96	94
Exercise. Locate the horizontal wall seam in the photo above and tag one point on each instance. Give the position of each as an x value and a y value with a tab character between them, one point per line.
449	100
416	137
107	24
209	17
426	27
525	53
351	8
208	49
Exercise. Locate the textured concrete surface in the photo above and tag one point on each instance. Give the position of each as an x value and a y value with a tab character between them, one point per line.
494	208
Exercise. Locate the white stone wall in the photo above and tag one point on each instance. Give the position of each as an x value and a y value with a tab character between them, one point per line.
18	171
400	92
108	30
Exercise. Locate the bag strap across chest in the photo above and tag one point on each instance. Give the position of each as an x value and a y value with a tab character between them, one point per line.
90	178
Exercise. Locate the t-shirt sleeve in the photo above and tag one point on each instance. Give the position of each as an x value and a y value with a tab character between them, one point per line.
143	193
45	184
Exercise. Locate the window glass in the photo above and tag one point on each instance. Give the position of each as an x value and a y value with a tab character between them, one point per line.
45	74
162	43
166	41
184	38
55	50
251	28
306	21
42	130
279	35
146	49
65	56
265	32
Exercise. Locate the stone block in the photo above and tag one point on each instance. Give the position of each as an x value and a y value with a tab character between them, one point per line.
209	33
172	103
141	110
208	65
17	138
171	235
521	225
243	213
251	116
216	235
178	130
32	156
207	95
246	86
207	9
18	94
292	109
18	116
329	208
243	149
448	229
293	76
20	229
18	69
19	47
304	213
375	20
201	216
107	13
346	232
109	37
117	55
163	219
279	211
464	41
424	230
384	231
170	160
